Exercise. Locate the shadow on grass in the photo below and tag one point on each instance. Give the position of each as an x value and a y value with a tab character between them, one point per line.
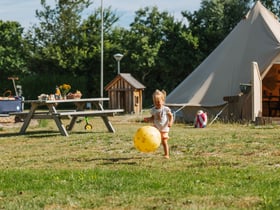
9	134
112	160
88	132
43	133
32	134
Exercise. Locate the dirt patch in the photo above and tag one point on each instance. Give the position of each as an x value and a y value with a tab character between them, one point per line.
9	119
11	122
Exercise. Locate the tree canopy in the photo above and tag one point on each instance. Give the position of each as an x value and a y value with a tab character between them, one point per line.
12	49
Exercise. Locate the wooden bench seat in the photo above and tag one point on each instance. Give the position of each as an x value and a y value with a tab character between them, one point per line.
108	112
4	115
37	115
25	113
66	114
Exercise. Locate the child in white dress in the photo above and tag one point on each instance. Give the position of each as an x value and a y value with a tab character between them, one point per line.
162	118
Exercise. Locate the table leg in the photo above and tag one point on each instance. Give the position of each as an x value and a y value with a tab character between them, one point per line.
72	123
80	106
57	120
106	119
60	126
28	118
108	124
99	106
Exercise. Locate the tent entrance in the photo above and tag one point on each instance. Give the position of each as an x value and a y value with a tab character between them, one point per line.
271	92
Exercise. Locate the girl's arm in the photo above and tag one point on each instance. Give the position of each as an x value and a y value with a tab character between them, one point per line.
149	119
170	119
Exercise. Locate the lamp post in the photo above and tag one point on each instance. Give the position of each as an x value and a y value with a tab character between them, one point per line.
101	65
118	58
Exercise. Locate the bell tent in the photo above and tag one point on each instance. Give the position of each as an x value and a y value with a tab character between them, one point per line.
240	79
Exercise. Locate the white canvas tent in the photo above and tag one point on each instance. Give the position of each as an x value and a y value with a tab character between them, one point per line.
256	38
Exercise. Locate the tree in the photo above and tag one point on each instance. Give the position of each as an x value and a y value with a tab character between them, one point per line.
144	40
13	53
65	43
90	31
273	5
177	56
155	48
55	40
214	21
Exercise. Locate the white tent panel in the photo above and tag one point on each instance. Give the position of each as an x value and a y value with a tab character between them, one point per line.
256	92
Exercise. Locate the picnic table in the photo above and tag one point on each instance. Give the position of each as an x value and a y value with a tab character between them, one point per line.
56	114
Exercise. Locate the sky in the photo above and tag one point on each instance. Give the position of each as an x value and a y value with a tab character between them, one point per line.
23	11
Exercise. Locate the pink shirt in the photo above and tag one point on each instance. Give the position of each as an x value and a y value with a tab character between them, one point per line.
200	120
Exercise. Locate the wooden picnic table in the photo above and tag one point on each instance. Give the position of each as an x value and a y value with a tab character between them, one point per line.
56	114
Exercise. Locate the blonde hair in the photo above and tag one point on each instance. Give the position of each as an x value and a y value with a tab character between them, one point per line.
161	93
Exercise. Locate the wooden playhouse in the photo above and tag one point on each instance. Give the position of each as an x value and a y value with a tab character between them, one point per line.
125	92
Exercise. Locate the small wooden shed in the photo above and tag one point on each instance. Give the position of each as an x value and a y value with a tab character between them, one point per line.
125	92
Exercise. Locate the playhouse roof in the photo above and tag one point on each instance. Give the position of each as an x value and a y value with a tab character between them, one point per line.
128	78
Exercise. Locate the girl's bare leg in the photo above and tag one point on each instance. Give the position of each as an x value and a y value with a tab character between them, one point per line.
165	147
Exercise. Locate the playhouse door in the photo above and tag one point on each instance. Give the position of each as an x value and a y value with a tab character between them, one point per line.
137	105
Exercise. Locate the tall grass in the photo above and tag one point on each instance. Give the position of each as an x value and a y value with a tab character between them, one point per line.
224	166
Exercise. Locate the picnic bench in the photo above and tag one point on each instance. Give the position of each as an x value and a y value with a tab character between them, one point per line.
56	114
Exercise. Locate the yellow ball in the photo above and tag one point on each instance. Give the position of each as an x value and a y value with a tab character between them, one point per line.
147	139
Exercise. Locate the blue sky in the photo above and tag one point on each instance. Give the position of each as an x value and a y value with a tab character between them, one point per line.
23	11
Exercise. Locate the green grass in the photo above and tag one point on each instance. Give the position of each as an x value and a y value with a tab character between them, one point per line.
224	166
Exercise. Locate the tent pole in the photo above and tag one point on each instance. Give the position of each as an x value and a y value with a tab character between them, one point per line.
174	113
217	115
220	112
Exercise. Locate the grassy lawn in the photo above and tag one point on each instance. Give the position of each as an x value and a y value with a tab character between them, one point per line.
224	166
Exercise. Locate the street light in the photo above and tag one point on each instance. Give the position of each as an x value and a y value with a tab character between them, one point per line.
101	65
118	58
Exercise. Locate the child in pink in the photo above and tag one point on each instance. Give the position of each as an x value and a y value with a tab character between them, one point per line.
200	120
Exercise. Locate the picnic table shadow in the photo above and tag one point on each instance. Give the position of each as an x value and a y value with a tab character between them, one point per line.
111	160
31	134
44	133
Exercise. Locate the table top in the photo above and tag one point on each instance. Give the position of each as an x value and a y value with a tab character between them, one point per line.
66	100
